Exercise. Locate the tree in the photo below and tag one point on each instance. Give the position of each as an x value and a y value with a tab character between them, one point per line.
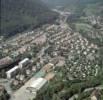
55	97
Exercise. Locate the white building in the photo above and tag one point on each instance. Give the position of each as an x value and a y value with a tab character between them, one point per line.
12	72
37	85
24	62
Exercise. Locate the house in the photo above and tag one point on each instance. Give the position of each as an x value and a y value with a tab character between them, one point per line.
48	67
50	76
1	89
3	93
96	95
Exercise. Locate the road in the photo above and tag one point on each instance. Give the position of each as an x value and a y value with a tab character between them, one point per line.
61	12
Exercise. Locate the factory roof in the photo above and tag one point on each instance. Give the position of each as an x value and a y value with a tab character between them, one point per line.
12	70
38	83
24	60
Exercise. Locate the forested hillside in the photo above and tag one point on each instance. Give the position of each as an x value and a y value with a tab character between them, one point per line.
19	15
75	5
71	2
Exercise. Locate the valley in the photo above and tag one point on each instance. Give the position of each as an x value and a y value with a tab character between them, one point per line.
62	60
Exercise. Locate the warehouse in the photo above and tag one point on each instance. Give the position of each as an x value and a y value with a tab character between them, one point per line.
37	85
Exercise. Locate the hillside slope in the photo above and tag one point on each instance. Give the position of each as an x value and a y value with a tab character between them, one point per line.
19	15
76	5
66	2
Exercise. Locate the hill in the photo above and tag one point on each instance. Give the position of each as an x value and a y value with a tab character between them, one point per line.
75	5
19	15
66	2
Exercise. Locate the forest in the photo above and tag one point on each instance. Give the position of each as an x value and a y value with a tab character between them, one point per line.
20	15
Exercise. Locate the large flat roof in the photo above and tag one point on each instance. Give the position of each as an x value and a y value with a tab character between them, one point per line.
24	60
12	70
38	83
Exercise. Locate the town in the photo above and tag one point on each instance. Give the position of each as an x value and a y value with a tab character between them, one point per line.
30	61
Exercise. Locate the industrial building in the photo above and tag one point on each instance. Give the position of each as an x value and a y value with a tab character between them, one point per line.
37	85
12	72
24	62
